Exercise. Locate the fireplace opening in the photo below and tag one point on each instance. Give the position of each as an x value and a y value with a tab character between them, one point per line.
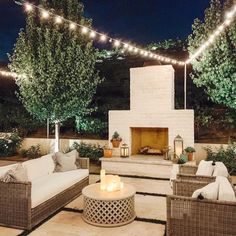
148	141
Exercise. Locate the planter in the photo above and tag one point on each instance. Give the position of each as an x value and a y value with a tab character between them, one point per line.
115	143
190	156
107	153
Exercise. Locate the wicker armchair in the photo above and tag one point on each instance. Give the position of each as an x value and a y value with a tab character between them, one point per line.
15	202
189	216
188	172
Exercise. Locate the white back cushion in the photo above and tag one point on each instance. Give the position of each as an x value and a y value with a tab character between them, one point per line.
226	191
39	167
210	191
220	170
205	168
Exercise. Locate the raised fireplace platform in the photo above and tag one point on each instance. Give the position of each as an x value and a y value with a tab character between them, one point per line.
138	165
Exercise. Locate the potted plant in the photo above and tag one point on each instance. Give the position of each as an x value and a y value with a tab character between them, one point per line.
116	140
190	151
107	152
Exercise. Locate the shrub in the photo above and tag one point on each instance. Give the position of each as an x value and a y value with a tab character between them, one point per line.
226	155
9	144
32	153
89	150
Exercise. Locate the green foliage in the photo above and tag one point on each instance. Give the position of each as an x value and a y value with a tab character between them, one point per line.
189	150
226	155
91	125
169	44
32	153
116	136
9	144
15	116
91	151
59	65
215	71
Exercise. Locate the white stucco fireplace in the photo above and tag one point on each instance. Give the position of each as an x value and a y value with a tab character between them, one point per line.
152	111
151	121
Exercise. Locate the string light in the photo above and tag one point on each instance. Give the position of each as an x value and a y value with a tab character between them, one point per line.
8	74
228	20
58	20
103	37
45	14
84	30
117	43
72	26
92	34
28	7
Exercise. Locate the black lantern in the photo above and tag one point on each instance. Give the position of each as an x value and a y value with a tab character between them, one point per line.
124	150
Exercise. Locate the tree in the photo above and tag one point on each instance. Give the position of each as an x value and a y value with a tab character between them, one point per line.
215	71
59	65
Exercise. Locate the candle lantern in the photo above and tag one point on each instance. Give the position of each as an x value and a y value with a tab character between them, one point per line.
178	145
124	150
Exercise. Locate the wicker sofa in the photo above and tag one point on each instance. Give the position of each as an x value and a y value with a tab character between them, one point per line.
189	216
25	204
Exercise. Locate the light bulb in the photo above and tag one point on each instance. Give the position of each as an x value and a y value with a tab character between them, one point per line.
126	45
136	50
72	26
84	30
130	48
28	7
103	37
117	43
45	14
58	20
92	34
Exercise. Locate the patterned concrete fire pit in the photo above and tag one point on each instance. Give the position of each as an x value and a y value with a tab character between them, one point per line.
108	209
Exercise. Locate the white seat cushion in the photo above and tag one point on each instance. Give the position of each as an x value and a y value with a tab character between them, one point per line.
226	191
4	169
39	167
220	170
205	168
210	191
48	186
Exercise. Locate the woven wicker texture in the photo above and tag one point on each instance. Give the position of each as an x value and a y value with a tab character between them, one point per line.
109	213
191	217
15	202
186	188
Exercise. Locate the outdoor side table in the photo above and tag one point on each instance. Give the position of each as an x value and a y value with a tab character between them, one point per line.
108	209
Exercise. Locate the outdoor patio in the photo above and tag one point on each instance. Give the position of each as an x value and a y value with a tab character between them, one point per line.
137	139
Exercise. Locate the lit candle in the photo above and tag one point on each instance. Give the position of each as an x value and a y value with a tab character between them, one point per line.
103	180
121	185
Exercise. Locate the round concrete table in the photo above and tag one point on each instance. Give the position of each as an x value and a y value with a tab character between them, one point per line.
108	209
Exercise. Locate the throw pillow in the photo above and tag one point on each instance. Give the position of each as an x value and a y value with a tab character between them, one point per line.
210	191
205	168
17	174
226	191
220	169
65	162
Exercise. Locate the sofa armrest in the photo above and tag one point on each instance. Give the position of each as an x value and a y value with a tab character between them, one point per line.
186	188
15	204
188	169
84	162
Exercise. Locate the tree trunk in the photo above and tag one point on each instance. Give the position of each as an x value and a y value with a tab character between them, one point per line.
57	134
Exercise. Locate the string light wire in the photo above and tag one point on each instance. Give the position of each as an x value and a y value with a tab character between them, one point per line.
229	18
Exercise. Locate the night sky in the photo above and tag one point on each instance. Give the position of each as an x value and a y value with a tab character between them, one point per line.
141	21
